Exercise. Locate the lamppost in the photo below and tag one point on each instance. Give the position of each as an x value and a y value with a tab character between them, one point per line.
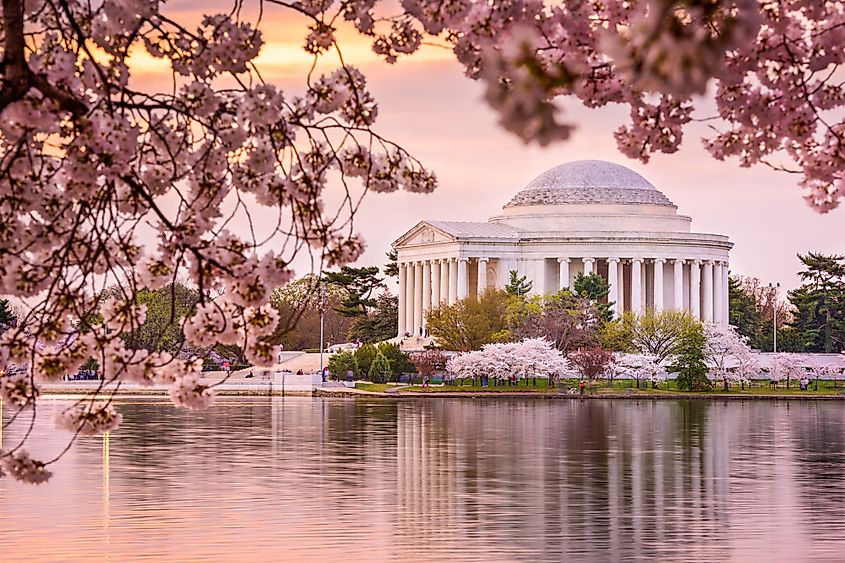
775	316
322	291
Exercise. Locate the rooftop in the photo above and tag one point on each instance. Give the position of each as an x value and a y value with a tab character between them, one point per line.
589	182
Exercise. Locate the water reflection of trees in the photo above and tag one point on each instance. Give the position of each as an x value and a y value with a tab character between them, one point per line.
481	479
818	431
563	478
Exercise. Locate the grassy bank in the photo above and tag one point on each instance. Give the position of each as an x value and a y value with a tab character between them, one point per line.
629	387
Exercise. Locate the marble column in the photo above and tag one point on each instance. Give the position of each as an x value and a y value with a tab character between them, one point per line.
418	297
453	280
726	295
707	313
695	289
503	273
444	281
620	294
435	284
588	265
637	285
538	277
678	303
563	266
402	298
717	292
658	284
613	282
409	298
462	278
482	276
426	289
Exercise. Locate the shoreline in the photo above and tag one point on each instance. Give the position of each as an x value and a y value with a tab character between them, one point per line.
271	389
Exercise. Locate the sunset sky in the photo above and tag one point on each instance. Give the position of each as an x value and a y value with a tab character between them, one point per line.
430	108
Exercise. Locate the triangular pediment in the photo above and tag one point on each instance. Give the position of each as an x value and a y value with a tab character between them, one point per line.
423	233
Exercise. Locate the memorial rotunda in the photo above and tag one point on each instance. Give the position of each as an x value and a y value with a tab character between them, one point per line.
588	216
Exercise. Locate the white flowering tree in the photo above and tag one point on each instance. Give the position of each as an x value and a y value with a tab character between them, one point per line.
727	354
91	156
530	358
641	367
787	365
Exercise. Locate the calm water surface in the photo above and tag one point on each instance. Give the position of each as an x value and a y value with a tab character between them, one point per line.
297	479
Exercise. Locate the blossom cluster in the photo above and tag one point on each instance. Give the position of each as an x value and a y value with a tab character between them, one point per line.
20	466
532	357
89	418
642	367
91	157
771	66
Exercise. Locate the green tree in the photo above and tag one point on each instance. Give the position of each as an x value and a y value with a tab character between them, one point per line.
596	289
391	268
470	323
399	361
380	370
518	286
342	362
820	303
381	323
7	315
745	311
364	357
689	361
359	285
654	333
162	328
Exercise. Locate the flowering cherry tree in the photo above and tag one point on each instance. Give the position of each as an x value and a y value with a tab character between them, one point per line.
769	67
641	367
533	357
786	365
91	158
727	354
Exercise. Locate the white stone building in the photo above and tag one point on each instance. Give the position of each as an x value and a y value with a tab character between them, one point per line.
579	217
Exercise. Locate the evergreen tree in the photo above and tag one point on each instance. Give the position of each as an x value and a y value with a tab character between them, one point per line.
399	361
596	289
7	315
820	303
365	356
342	362
518	286
391	269
745	313
359	285
380	324
689	363
380	370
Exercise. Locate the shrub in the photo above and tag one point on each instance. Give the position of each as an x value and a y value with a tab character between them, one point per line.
365	355
399	362
689	362
380	370
342	362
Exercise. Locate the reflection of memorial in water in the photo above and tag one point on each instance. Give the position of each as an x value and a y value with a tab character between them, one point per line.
563	478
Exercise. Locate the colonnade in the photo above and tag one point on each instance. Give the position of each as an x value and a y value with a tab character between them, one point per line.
699	286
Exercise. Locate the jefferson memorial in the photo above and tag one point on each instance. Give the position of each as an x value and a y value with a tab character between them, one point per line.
588	216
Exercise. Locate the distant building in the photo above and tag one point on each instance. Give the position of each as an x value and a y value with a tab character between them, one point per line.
580	217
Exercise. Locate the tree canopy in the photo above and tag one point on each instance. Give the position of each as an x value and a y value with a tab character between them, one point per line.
819	303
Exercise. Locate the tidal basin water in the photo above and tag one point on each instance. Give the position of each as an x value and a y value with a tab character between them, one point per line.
294	479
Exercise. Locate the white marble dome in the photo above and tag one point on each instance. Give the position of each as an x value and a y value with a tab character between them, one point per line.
589	182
